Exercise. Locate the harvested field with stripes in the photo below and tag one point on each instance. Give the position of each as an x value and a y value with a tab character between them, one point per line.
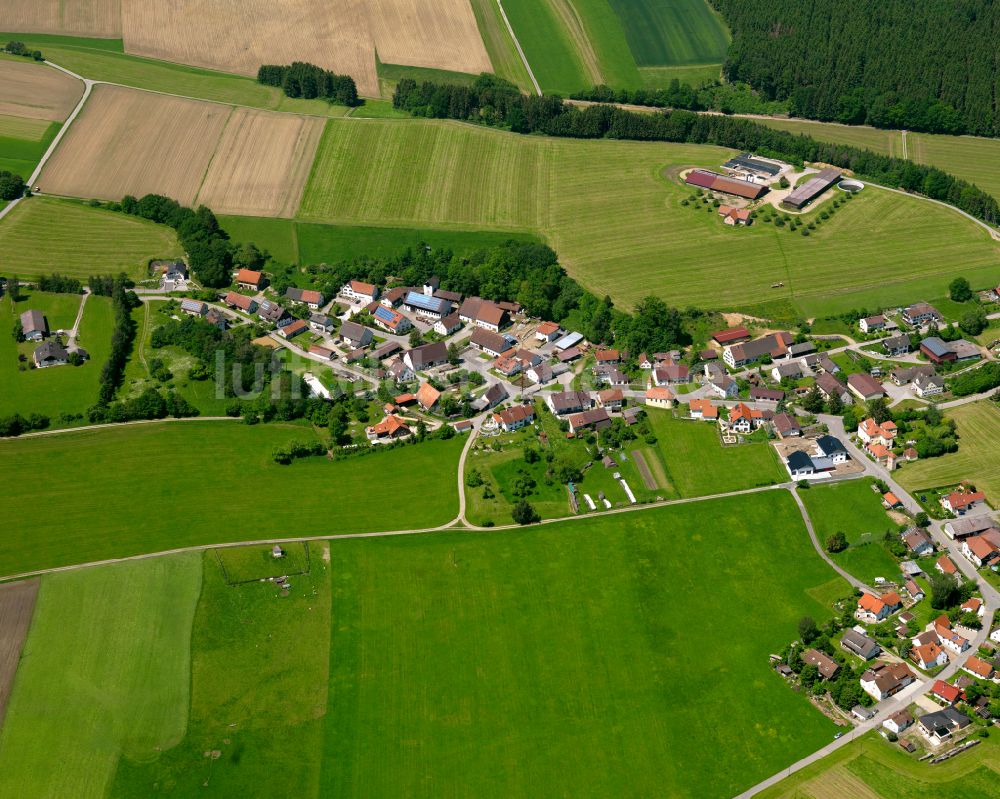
342	35
234	160
35	91
261	164
17	603
132	142
98	18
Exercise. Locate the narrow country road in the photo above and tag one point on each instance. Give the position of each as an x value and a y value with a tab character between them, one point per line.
818	546
517	44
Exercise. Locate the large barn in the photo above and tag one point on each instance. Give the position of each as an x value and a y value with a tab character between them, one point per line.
704	179
812	188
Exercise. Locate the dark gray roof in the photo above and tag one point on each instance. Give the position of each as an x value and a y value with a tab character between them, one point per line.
945	720
829	445
858	642
748	162
936	346
799	461
33	320
50	349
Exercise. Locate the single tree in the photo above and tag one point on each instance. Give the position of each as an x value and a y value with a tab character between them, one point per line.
524	513
959	290
808	631
836	542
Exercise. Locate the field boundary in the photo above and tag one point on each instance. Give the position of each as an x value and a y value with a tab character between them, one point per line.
520	51
17	607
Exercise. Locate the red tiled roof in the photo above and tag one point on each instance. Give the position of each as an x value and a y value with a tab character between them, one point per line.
248	276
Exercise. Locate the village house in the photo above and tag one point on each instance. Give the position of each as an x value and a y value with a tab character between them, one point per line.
322	352
611	398
723	387
608	357
385	350
547	332
865	387
483	313
391	428
660	397
898	721
359	291
945	566
216	318
271	312
787	426
703	409
391	320
400	372
563	402
942	724
929	655
744	419
937	350
735	216
669	375
447	325
241	302
791	371
492	397
50	353
514	417
610	375
917	542
928	386
774	345
34	326
886	679
514	361
921	313
426	356
355	335
978	667
859	644
250	280
871	433
828	667
392	298
427	396
982	550
973	605
594	419
829	387
491	343
896	345
761	394
830	447
312	299
873	609
872	324
433	307
947	637
961	502
292	329
320	323
943	692
194	307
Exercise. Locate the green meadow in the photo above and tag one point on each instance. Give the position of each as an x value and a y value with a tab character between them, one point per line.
854	509
23	142
550	47
202	482
566	660
672	32
60	389
613	212
104	674
45	235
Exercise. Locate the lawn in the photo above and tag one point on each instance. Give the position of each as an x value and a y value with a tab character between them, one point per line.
672	32
854	509
61	389
875	769
503	54
23	142
580	659
44	235
104	673
977	459
415	173
697	464
259	684
205	482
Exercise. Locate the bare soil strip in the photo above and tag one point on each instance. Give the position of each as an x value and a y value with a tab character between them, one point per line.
35	91
643	467
17	603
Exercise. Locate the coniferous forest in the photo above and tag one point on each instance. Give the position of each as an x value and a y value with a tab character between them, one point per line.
930	65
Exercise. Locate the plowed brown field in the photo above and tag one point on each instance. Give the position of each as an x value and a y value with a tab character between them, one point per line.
261	164
17	603
101	18
37	91
440	34
132	142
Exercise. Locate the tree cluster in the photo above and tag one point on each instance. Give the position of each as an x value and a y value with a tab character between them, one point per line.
11	185
209	250
309	81
976	381
20	48
297	449
59	284
122	337
927	66
495	102
150	404
15	424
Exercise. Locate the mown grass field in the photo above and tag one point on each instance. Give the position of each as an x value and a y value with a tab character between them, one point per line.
503	54
203	482
550	47
23	142
105	673
697	464
875	769
259	684
617	222
56	390
854	509
672	32
977	459
44	235
572	655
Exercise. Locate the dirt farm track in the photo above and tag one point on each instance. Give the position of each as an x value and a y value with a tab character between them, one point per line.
236	160
342	35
